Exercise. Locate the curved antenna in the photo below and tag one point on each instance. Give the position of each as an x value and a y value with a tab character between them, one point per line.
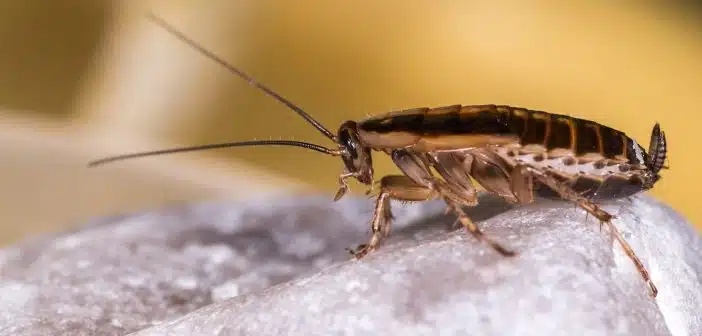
301	144
243	75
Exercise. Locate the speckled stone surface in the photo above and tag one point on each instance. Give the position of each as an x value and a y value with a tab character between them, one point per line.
278	267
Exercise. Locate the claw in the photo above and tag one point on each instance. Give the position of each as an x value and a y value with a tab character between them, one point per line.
339	194
359	252
653	291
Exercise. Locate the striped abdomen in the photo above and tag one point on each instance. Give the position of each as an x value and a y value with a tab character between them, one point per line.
578	137
457	127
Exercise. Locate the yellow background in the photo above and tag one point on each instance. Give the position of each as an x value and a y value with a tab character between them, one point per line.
625	64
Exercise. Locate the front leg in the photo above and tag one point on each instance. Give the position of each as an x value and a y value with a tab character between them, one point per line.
343	185
586	204
392	187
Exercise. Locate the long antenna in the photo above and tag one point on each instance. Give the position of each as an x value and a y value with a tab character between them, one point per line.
243	75
305	145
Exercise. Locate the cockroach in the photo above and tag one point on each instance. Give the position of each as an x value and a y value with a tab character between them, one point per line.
513	152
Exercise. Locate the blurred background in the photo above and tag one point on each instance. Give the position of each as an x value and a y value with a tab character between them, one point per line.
84	79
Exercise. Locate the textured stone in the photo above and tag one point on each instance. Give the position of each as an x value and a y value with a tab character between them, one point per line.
273	267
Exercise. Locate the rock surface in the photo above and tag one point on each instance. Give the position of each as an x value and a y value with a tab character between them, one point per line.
279	268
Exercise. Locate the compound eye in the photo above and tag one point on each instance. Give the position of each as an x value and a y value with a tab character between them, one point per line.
350	143
352	146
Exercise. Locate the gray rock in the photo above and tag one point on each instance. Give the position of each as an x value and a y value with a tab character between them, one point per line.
279	268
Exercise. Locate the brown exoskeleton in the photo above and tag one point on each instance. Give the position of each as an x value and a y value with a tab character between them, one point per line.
512	152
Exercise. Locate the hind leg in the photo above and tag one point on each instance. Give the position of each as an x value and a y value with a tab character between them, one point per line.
603	216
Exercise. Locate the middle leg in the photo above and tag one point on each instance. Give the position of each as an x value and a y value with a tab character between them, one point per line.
464	219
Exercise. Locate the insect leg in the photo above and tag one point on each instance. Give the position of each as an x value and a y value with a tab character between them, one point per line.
392	187
343	186
475	230
456	189
452	169
569	194
522	186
